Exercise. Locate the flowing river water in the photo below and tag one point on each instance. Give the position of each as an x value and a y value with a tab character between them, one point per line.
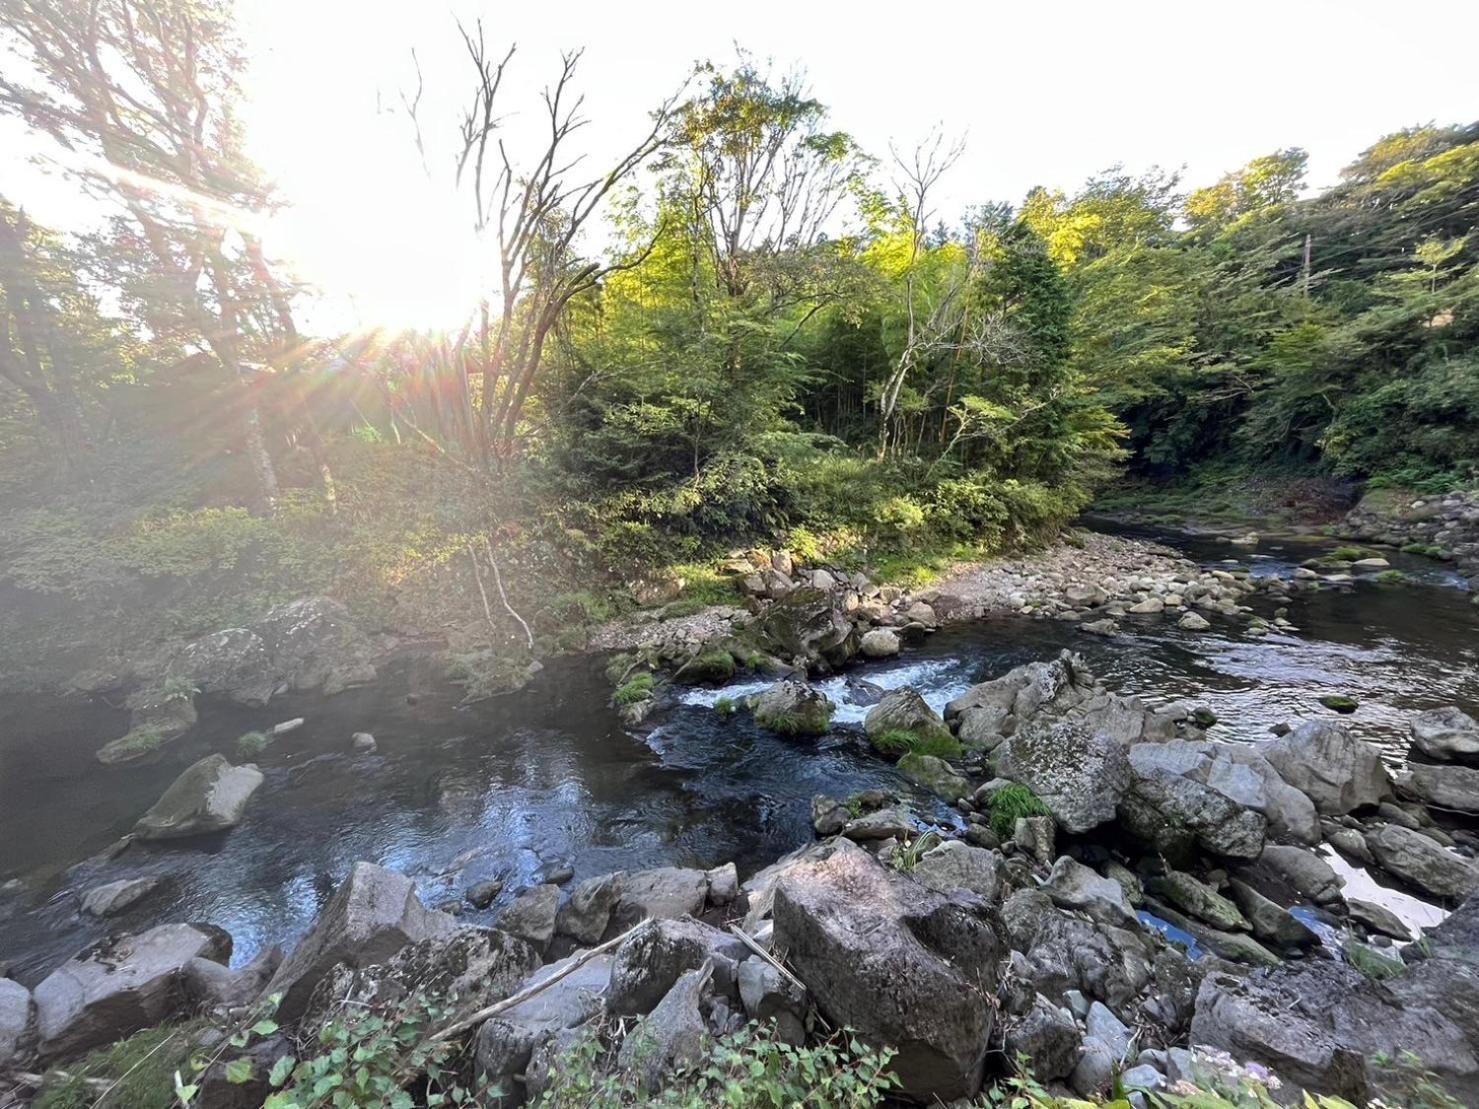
548	778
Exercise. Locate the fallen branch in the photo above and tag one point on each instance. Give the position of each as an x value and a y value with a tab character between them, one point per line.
477	575
498	580
458	1027
753	945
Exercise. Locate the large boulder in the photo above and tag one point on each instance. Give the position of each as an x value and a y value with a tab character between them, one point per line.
664	892
1078	772
373	914
904	710
807	627
1445	734
1323	760
1177	800
531	915
880	643
793	708
209	796
1052	687
903	966
16	1022
1316	1023
1444	787
505	1043
954	865
117	987
314	644
1422	862
649	961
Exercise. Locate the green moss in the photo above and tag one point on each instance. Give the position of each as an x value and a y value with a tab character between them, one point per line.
899	742
1009	804
1372	963
1348	554
1426	550
1339	702
251	744
1391	577
1203	717
725	706
716	665
143	1065
638	688
136	744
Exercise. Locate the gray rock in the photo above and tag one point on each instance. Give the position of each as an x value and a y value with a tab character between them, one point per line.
1143	1077
363	742
587	913
953	865
1378	919
880	643
650	960
1128	881
1072	885
208	983
1048	1037
115	988
1455	788
1302	871
828	815
482	894
372	915
1199	899
665	892
1271	922
114	897
208	797
723	884
935	775
984	728
1079	773
1037	837
1337	771
1445	734
1352	844
1421	862
16	1028
884	824
1172	803
793	708
1194	622
904	710
1315	1023
1094	1071
900	964
531	915
505	1043
672	1036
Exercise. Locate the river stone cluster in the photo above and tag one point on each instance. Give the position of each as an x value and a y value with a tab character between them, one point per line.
1443	526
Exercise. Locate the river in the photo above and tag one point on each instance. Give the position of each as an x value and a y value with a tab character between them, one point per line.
546	778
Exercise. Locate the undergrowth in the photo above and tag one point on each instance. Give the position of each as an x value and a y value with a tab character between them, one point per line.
900	742
1011	803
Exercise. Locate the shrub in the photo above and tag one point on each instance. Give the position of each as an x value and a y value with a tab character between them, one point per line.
900	742
251	744
750	1069
637	688
1011	803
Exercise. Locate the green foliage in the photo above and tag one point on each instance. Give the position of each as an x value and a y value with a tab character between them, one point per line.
637	688
899	742
750	1069
1348	554
726	706
1011	803
907	857
1374	964
250	745
139	741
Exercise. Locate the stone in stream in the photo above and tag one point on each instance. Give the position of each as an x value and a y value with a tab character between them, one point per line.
1445	734
1078	772
935	775
482	894
904	710
114	897
363	742
1270	921
373	914
1337	771
1303	872
1455	788
209	796
1378	919
531	915
116	987
900	964
1199	899
880	643
1421	862
793	708
586	914
1194	622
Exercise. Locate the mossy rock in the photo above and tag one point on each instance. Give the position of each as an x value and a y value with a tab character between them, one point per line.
707	668
935	775
1339	702
793	708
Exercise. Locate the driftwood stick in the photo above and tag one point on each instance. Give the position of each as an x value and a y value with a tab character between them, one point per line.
477	575
753	945
458	1027
498	580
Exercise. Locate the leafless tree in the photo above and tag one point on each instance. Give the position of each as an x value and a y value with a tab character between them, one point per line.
536	212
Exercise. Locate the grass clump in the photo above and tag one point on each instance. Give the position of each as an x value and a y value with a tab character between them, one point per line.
1426	550
1374	964
1347	554
143	1065
1011	803
250	745
140	741
637	688
725	706
900	742
1391	577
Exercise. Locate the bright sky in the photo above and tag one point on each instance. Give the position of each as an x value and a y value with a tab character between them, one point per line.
1045	93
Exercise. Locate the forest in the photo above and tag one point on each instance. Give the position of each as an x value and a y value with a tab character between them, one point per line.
744	328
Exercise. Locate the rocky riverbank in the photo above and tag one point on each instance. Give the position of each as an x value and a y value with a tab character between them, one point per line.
1112	897
1443	526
